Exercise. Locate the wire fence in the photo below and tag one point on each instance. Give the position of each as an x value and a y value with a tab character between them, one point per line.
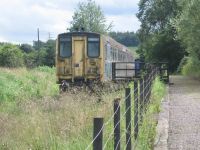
134	102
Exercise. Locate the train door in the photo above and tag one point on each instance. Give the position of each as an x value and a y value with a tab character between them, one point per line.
79	49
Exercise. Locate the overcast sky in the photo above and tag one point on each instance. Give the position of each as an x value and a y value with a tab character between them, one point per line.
19	19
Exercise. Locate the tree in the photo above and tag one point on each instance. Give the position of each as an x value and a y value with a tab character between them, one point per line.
157	35
26	48
125	38
50	47
187	25
11	56
90	17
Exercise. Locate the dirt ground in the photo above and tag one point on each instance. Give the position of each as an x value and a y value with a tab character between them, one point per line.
184	114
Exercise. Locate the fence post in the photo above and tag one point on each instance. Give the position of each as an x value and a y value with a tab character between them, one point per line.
167	72
141	103
148	87
128	118
98	134
135	109
116	124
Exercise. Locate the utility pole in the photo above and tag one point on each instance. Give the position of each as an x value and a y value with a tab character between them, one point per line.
49	35
38	35
38	44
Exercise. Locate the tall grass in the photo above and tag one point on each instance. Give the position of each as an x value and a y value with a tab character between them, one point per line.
148	127
192	68
23	84
34	116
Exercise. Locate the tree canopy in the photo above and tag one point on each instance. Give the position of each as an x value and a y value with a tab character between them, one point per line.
11	56
129	39
27	55
187	25
157	35
89	16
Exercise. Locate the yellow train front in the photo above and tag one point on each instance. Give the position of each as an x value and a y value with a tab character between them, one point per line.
87	56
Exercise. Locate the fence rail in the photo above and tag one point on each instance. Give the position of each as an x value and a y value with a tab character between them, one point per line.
132	70
141	93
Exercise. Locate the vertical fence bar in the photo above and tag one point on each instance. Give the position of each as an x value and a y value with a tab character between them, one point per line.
167	72
116	124
135	109
148	87
141	103
98	134
128	118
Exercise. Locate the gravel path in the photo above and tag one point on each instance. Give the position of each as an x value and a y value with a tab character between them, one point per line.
184	114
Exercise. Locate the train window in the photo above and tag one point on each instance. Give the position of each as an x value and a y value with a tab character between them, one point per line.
93	47
65	47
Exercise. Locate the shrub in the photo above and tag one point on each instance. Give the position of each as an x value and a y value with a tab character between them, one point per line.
192	67
11	56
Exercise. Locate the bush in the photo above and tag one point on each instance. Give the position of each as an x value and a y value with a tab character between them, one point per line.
192	68
182	64
11	56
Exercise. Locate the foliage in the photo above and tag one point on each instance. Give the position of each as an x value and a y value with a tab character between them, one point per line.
50	48
134	51
187	26
129	39
183	62
147	130
16	56
157	35
33	116
11	56
90	17
192	67
22	84
26	48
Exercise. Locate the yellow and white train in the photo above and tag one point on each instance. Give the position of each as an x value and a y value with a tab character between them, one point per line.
87	56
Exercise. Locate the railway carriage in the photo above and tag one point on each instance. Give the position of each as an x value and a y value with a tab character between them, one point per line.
87	56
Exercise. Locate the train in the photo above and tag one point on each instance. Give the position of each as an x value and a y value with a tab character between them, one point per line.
84	57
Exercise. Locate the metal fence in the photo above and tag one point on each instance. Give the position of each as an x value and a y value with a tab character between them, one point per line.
141	94
132	70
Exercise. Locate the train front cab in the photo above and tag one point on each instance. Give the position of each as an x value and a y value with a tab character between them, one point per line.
79	57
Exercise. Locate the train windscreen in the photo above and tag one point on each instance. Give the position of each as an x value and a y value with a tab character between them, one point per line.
65	47
93	47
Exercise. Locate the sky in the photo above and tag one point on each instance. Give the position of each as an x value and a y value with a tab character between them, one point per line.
19	19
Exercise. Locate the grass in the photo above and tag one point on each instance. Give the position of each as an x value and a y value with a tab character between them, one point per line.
133	50
148	127
34	116
191	68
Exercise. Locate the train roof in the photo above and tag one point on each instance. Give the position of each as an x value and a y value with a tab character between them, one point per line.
79	33
117	44
108	39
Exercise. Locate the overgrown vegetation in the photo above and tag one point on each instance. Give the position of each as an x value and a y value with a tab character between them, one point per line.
187	25
34	116
26	55
157	35
170	32
22	84
148	127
